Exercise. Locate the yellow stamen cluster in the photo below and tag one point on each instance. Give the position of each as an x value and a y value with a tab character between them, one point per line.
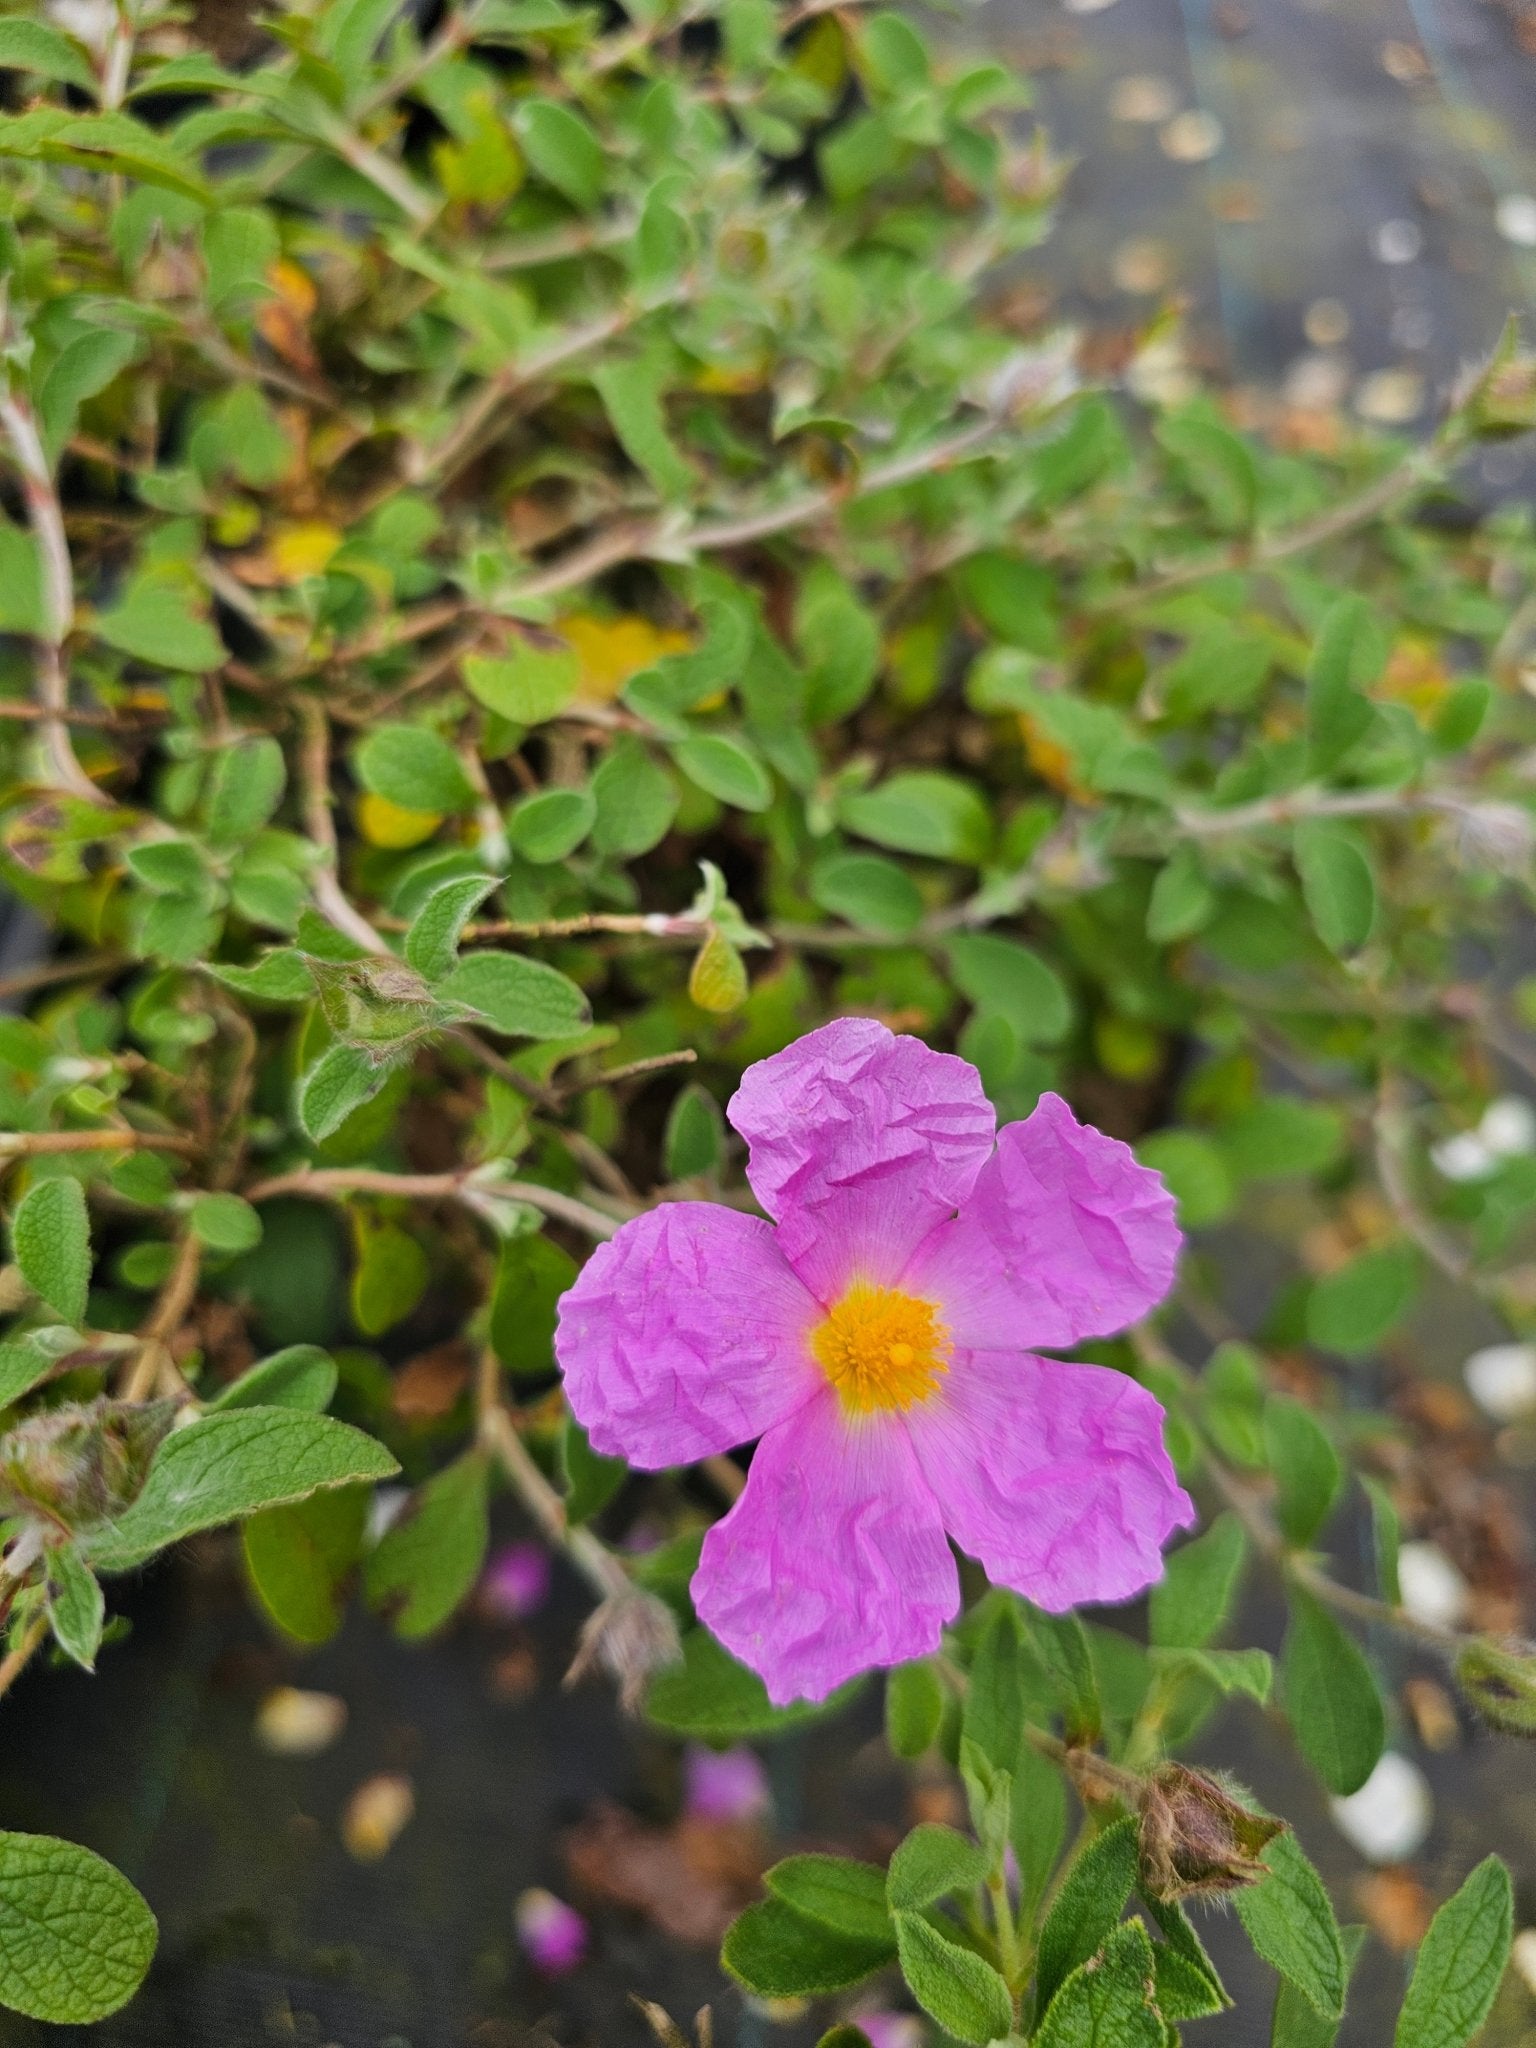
881	1349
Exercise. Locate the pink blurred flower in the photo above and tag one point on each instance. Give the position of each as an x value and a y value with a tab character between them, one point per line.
890	2029
725	1784
553	1934
879	1341
516	1581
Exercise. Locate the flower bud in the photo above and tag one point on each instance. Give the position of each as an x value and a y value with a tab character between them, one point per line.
82	1463
1499	1679
1196	1837
553	1934
631	1637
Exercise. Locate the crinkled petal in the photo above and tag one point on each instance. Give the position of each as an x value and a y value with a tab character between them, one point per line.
1063	1237
833	1561
685	1335
860	1143
1055	1477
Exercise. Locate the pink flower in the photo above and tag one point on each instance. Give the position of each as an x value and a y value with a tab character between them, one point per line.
878	1341
553	1934
725	1785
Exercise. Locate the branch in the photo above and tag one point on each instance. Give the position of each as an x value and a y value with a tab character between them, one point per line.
34	1144
152	1363
472	1186
330	898
13	1665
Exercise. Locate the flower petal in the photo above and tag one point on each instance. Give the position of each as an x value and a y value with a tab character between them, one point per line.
685	1335
1064	1236
861	1142
833	1561
1054	1476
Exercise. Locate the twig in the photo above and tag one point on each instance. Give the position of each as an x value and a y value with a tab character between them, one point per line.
656	1064
46	519
472	1187
1390	1126
152	1362
330	898
36	1144
498	1433
17	1660
47	972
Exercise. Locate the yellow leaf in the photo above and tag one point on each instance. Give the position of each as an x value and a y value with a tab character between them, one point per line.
610	651
303	549
719	978
385	824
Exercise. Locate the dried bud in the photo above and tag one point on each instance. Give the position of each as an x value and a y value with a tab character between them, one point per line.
1499	1679
666	2029
1498	836
630	1637
83	1464
1196	1837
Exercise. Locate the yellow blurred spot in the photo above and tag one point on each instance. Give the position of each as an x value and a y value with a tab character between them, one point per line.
1416	676
296	1723
610	651
1051	761
385	824
303	549
375	1815
294	286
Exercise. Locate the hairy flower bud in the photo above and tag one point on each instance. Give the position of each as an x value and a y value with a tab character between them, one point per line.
82	1463
1196	1837
631	1637
1498	836
1499	1680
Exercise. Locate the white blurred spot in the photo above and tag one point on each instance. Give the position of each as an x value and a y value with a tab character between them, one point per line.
1144	99
1523	1956
385	1508
1192	138
1142	265
1516	218
294	1723
1390	397
1502	1381
1463	1157
1397	241
1389	1818
1508	1126
1317	383
1086	6
1433	1590
375	1815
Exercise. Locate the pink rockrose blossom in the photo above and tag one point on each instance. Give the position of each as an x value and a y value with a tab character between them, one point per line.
890	2029
725	1784
878	1336
554	1935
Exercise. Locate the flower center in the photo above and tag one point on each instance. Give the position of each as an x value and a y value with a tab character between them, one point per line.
881	1349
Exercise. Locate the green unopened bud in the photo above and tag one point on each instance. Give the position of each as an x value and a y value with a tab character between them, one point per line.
1197	1837
83	1463
1504	401
1499	1679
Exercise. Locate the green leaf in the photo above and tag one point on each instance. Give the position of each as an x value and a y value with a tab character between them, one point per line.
426	1562
873	894
1191	1602
1196	1174
34	46
717	981
836	1892
563	150
232	1464
914	1707
1306	1469
550	825
1188	1986
302	1376
1297	2022
277	977
83	367
1460	1963
1182	898
774	1952
591	1480
413	768
953	1985
1289	1920
929	1865
1218	466
298	1559
1350	653
1230	1671
994	1703
75	1937
245	786
528	684
520	998
1282	1134
224	1223
1061	1644
532	1273
1331	1696
1015	599
1386	1539
110	143
1108	2002
725	769
389	1278
924	811
1002	975
156	623
713	1698
1337	882
432	943
694	1140
636	801
341	1080
51	1240
1351	1309
1087	1908
632	396
1039	1822
76	1606
23	1362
